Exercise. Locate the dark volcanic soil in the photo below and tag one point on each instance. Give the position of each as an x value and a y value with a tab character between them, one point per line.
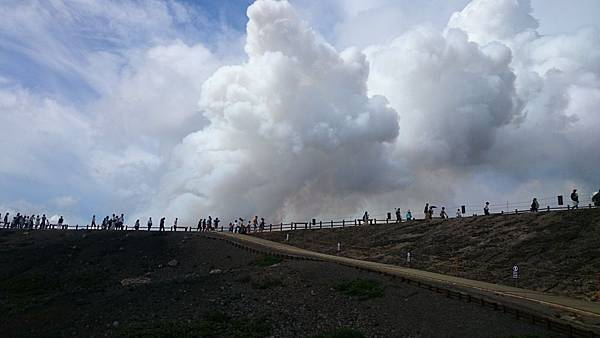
56	283
557	252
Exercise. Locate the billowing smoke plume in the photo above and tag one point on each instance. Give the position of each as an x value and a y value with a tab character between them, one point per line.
292	130
486	108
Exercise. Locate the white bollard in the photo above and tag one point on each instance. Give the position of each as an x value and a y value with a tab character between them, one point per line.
339	246
287	237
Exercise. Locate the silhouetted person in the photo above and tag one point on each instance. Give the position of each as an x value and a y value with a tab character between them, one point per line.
458	214
398	215
175	224
44	220
93	224
443	214
217	220
261	226
486	209
575	199
60	222
199	225
149	223
37	222
596	199
366	218
6	220
137	225
535	206
162	224
430	213
426	211
255	223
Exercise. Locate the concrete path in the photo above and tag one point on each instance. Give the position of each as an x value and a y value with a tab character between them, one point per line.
579	314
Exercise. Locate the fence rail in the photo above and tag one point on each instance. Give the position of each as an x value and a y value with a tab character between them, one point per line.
293	226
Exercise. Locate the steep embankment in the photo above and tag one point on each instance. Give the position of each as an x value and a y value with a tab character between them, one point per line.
140	284
557	252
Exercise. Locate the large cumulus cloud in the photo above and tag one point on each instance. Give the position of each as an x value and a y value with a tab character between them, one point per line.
292	130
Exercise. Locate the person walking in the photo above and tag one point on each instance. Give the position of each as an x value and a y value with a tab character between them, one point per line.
149	225
216	221
398	215
486	209
161	226
535	206
596	199
426	211
575	199
137	225
443	214
93	223
175	224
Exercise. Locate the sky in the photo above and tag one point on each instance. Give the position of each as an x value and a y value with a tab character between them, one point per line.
293	110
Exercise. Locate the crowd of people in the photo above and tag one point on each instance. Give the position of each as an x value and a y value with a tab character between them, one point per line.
20	221
240	225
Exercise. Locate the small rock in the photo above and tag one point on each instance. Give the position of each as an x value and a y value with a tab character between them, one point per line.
135	281
115	323
84	236
173	263
215	271
160	266
313	293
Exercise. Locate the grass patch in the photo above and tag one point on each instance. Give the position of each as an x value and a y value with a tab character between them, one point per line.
361	288
266	283
267	260
341	333
217	325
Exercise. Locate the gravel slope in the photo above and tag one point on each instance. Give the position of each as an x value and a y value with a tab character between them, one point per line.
57	283
556	252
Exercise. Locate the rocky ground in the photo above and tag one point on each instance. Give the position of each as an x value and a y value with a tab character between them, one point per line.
117	284
556	252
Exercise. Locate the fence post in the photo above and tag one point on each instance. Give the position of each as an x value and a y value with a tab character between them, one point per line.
76	226
548	208
332	224
320	224
270	227
343	223
305	226
516	211
355	222
281	227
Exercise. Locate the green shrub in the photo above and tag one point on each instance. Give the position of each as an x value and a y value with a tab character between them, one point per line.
361	289
267	260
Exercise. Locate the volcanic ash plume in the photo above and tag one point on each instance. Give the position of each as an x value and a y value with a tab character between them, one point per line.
292	130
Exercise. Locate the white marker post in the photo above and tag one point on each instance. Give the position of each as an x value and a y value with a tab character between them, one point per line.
339	247
408	257
287	237
515	273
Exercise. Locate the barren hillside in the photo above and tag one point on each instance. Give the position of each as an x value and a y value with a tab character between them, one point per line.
557	252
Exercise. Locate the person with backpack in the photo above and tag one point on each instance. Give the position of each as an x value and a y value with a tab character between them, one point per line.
535	206
596	199
575	199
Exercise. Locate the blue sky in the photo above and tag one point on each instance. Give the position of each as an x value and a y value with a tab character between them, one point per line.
99	97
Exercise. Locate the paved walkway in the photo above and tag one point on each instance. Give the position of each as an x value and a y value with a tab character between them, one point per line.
582	314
